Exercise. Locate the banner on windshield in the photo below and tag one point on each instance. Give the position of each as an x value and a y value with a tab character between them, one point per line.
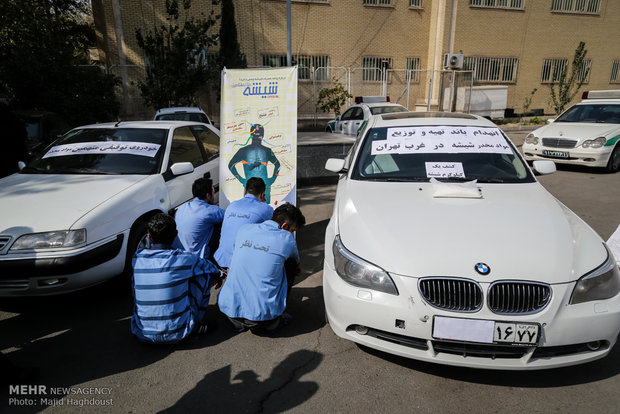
259	133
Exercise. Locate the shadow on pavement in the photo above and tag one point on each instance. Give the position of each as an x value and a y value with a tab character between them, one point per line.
217	392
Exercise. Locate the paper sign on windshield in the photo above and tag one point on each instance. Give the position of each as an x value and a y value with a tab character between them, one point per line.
133	148
442	139
444	169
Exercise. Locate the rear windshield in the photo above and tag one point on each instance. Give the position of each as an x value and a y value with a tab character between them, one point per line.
453	153
103	151
184	116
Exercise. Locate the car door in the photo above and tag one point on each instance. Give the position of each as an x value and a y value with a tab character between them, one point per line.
351	125
184	148
209	138
343	120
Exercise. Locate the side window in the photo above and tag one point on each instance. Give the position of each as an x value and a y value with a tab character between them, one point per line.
209	139
185	148
358	113
347	115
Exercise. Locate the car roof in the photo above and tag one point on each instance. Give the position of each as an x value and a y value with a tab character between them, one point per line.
142	124
176	109
429	118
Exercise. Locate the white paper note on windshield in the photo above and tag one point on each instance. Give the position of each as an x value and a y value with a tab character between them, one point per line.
125	147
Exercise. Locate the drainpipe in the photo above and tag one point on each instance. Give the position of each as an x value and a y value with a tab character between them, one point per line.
452	26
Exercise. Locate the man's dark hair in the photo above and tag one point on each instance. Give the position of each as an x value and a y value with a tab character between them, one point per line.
202	187
289	214
162	228
255	186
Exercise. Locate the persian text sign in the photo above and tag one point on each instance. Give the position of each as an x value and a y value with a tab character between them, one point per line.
259	133
133	148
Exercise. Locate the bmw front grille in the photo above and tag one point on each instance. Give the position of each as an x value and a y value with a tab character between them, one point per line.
503	297
453	294
515	297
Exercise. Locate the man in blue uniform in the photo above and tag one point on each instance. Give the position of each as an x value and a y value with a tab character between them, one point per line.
259	278
250	209
199	220
171	287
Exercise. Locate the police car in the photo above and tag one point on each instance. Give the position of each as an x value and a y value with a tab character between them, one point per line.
74	216
351	121
587	133
433	251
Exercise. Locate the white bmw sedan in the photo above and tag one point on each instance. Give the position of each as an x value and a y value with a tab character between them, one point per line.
75	215
443	247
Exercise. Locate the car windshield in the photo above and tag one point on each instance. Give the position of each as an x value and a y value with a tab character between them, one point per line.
184	116
599	113
102	151
376	110
451	153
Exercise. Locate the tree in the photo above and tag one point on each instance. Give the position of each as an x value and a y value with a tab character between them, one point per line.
563	90
176	57
44	64
332	99
230	51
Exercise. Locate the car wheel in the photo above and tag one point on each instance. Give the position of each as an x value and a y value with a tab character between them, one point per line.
328	129
613	165
137	240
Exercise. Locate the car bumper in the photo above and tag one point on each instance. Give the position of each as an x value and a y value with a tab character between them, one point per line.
402	325
591	157
54	272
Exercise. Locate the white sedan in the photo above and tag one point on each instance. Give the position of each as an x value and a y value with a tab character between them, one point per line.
443	247
587	133
353	119
74	216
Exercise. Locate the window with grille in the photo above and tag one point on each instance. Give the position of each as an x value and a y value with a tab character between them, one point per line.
615	72
584	72
497	4
413	67
576	6
492	69
415	4
552	70
373	66
305	64
378	2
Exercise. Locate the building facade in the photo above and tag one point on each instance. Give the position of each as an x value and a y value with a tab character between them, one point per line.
393	47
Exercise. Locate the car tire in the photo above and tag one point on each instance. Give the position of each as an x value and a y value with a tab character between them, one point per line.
137	238
328	129
613	165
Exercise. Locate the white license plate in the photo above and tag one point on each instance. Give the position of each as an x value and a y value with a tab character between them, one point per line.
485	331
557	154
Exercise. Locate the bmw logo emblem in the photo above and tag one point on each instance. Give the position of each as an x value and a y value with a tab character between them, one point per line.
482	268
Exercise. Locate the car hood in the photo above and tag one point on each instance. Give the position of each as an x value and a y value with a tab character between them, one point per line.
519	230
578	130
41	202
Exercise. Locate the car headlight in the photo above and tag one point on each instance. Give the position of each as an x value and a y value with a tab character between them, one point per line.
594	143
360	273
50	240
531	139
601	283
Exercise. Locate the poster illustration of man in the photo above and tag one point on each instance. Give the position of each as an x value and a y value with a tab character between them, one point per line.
255	159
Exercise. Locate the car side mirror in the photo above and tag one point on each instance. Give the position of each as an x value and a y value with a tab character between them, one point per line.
335	165
181	168
544	167
21	165
550	120
338	118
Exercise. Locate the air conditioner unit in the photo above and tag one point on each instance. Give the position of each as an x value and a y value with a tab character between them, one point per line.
453	60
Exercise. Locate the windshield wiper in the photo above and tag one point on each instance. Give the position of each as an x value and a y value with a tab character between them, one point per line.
33	170
82	171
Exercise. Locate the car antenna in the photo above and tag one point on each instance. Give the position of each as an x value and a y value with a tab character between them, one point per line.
119	121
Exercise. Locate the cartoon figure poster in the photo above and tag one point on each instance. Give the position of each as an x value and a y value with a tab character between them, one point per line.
259	133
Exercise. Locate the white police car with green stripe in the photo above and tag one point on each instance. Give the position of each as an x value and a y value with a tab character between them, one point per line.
587	133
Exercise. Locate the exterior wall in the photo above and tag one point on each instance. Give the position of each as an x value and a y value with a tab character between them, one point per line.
348	30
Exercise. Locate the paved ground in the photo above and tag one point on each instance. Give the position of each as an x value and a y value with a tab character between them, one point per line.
82	340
